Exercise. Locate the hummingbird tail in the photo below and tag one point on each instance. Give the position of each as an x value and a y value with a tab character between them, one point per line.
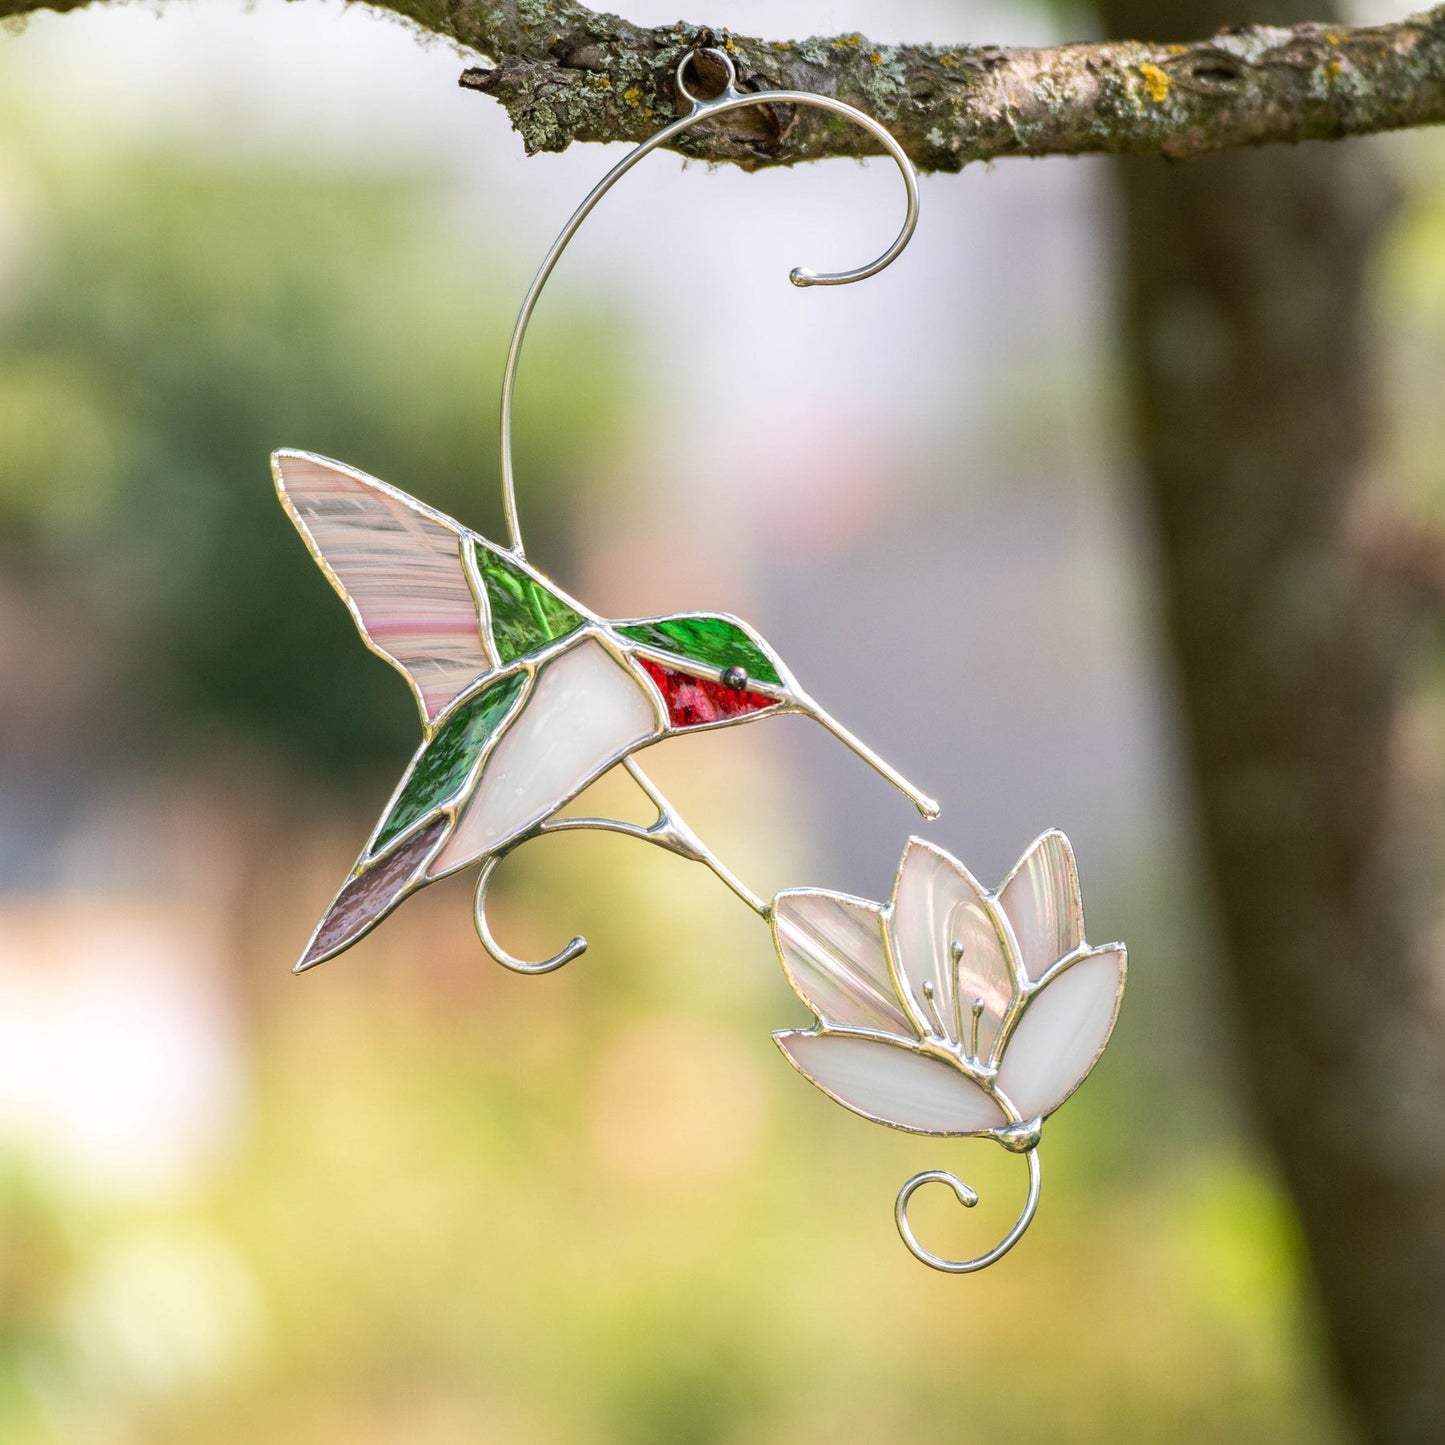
368	896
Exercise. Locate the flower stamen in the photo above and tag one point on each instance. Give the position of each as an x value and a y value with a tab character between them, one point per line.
955	951
933	1013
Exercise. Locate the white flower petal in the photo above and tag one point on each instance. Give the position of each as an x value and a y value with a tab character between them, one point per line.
832	950
1062	1033
892	1083
937	905
1041	899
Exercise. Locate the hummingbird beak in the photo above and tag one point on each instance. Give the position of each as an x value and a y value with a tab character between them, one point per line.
929	807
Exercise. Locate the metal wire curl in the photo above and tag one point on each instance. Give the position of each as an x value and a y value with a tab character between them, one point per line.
730	98
968	1198
668	831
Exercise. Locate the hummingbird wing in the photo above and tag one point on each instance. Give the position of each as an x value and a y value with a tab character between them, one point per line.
372	890
400	568
503	759
421	815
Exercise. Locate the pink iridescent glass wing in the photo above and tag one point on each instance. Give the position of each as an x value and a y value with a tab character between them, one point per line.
398	566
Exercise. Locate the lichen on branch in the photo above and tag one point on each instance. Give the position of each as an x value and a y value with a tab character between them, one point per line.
565	73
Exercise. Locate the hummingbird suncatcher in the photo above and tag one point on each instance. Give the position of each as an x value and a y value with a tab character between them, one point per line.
950	1009
526	696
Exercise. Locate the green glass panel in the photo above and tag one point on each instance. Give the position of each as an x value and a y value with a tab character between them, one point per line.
525	614
442	768
715	641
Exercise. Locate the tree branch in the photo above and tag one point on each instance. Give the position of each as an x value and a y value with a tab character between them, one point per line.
565	73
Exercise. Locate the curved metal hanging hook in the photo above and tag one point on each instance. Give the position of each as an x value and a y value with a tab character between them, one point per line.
667	831
577	946
968	1198
730	98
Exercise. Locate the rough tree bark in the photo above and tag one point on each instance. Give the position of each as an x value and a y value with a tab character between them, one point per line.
565	73
1247	337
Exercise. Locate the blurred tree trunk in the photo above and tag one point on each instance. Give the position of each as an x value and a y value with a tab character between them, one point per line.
1246	335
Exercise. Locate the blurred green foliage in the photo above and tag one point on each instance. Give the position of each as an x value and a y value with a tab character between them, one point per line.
447	1245
472	1207
167	325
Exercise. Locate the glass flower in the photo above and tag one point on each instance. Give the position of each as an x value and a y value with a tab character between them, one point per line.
952	1009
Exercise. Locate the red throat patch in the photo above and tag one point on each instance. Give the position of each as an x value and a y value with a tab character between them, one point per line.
693	701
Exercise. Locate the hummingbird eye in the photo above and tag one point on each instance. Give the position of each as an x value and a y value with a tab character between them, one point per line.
735	678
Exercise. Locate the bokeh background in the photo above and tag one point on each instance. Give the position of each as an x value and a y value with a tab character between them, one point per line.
408	1196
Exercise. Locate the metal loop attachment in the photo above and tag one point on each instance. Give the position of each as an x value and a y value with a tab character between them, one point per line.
727	63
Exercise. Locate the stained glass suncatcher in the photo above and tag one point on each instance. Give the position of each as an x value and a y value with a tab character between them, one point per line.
951	1009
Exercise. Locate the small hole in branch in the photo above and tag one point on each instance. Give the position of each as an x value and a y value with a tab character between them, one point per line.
1215	72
